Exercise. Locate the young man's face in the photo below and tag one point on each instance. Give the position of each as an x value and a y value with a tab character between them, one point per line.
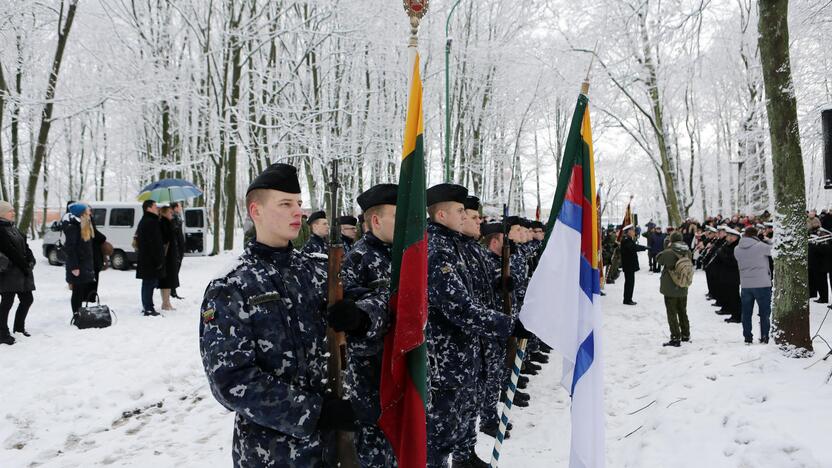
154	208
349	231
471	225
320	227
496	244
517	233
538	233
383	223
452	216
276	217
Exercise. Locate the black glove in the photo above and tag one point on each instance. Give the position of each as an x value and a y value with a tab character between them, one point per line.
498	284
337	415
345	316
520	331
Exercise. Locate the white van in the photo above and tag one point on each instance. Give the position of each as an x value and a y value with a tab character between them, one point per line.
118	221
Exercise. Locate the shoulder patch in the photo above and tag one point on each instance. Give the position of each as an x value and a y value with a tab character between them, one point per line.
208	315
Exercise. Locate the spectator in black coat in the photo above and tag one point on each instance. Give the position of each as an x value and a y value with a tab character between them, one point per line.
179	232
78	248
629	261
172	259
151	252
16	278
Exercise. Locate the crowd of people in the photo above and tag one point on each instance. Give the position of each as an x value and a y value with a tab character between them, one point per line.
159	241
735	254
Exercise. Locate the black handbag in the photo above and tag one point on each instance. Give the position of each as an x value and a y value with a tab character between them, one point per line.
97	316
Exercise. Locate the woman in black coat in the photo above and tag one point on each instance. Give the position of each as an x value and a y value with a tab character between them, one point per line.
80	259
16	278
171	279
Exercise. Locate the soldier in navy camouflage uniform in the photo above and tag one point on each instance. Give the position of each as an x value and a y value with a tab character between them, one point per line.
349	231
483	281
366	278
263	339
319	229
457	320
494	351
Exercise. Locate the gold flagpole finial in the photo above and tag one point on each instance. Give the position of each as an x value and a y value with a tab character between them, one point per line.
585	84
415	9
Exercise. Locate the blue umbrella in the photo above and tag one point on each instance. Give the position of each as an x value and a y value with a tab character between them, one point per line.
169	190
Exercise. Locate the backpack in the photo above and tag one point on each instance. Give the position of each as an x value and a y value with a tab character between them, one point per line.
682	272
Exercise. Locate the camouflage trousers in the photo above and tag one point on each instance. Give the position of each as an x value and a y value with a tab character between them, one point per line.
373	447
448	422
494	356
256	446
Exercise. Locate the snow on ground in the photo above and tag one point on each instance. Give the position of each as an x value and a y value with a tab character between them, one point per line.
135	394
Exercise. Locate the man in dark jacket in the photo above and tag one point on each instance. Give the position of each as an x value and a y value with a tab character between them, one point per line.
629	261
151	251
16	278
655	242
727	276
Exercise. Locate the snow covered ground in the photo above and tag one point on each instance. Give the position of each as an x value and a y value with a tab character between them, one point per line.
135	394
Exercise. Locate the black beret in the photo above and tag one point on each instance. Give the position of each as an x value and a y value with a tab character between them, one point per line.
514	220
278	176
381	194
526	223
538	225
348	220
472	203
447	192
315	216
490	228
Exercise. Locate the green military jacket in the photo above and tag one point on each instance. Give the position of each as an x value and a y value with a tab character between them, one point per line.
667	259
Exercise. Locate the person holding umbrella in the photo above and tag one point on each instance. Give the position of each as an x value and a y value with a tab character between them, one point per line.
166	192
179	240
171	278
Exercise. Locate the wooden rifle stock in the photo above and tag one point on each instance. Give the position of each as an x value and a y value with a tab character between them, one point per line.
505	277
336	362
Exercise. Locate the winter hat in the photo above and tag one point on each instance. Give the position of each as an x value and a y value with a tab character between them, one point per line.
316	216
77	209
676	237
5	207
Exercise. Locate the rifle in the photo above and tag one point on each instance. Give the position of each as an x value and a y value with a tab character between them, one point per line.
505	276
345	445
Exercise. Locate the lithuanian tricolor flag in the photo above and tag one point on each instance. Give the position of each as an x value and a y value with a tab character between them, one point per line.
404	365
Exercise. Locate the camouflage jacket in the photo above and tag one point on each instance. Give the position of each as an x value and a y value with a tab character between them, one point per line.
457	316
519	260
366	278
263	346
316	244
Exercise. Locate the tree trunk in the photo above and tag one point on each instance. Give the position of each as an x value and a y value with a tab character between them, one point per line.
46	116
4	94
233	137
791	295
660	128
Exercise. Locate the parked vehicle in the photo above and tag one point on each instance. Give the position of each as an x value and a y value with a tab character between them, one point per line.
118	221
